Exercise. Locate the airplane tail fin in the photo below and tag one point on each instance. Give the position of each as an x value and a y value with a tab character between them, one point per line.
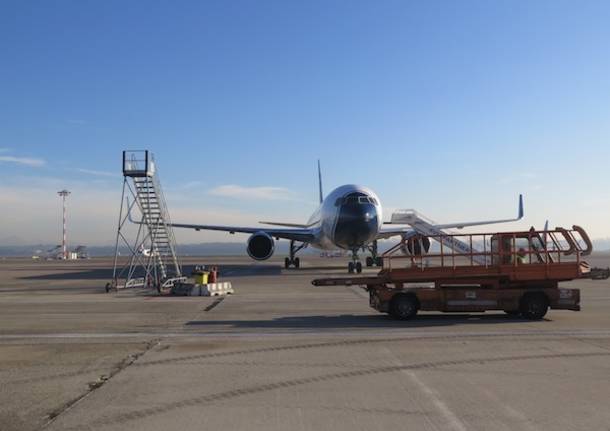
544	235
520	216
320	182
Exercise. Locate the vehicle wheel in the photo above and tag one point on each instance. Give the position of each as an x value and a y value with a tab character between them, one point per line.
297	262
379	261
358	267
534	307
403	307
350	267
286	263
369	261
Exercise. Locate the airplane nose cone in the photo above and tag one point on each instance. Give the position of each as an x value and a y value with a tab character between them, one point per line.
357	224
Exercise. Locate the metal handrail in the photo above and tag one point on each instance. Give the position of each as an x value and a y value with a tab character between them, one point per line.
542	255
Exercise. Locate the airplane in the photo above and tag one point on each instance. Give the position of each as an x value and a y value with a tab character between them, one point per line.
147	252
348	218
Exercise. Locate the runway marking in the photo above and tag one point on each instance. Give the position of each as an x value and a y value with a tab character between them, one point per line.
524	422
451	419
122	418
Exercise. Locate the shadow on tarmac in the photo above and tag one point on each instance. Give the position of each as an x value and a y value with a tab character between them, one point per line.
361	321
91	274
106	273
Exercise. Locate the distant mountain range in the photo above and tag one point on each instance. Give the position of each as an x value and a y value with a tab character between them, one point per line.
202	249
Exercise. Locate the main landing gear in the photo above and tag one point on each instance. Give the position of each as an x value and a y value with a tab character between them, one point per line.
292	260
374	259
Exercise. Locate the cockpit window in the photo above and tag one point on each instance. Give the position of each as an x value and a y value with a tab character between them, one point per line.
356	198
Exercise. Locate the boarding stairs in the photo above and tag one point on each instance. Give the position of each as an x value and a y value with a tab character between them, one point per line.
426	227
153	260
155	216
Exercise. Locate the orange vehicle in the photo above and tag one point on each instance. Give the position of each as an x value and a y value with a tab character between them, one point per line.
517	272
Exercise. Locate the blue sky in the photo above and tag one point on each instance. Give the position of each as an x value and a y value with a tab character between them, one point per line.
452	108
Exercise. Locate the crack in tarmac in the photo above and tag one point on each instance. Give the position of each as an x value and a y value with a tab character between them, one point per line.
102	380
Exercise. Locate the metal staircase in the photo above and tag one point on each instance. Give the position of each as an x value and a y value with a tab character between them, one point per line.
153	261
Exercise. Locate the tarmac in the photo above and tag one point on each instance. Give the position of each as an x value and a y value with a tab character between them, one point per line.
281	354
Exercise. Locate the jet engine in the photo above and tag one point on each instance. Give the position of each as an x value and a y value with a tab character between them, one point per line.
260	246
416	245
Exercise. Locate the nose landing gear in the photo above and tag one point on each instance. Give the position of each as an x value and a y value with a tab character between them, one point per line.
355	265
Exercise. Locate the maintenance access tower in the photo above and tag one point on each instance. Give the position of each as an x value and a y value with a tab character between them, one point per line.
147	239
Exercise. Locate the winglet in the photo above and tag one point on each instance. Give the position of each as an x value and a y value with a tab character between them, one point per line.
320	182
521	213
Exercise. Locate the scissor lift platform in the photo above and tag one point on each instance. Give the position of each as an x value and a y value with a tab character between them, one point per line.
518	272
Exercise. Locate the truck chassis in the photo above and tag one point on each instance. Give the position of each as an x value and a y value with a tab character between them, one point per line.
517	272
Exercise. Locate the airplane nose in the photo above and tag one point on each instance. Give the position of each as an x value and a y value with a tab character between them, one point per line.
357	224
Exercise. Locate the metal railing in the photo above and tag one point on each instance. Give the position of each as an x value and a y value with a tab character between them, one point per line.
495	249
138	163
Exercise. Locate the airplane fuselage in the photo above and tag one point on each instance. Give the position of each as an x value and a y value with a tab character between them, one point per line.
348	218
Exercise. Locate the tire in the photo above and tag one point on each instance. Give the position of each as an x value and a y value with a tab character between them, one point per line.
350	267
534	306
286	263
297	262
369	261
403	307
379	261
358	267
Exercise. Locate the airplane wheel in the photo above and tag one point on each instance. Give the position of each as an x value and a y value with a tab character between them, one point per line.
297	262
286	263
350	267
379	261
369	261
358	267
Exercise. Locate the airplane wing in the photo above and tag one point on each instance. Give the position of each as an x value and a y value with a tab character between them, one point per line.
297	234
480	223
273	223
405	232
302	235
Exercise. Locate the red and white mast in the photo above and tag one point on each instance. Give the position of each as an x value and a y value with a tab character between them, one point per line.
64	194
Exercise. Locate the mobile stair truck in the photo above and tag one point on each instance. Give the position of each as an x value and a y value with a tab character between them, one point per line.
517	272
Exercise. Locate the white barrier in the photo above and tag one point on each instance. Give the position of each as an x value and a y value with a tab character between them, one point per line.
216	289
